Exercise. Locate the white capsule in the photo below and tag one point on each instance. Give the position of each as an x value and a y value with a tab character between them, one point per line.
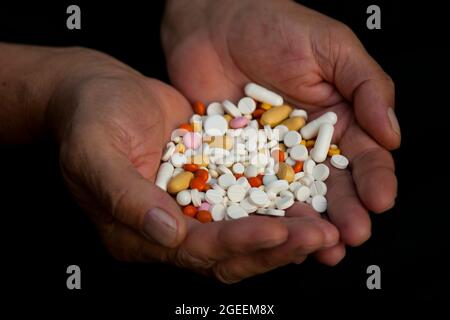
215	108
299	113
262	94
246	105
231	109
184	197
311	129
164	174
322	144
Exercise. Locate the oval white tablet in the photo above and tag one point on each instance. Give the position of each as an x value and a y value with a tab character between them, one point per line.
231	109
196	200
184	197
339	161
215	125
238	168
178	159
258	198
247	206
218	212
308	166
299	113
226	180
284	203
279	132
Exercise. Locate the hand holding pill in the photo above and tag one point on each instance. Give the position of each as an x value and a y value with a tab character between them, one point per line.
315	63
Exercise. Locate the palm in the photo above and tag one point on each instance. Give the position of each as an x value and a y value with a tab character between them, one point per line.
298	59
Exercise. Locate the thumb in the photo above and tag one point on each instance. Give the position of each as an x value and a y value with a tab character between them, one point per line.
134	200
361	80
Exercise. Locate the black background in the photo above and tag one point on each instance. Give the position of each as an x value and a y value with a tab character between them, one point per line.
44	231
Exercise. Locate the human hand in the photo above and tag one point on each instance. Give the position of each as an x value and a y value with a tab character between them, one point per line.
213	48
112	124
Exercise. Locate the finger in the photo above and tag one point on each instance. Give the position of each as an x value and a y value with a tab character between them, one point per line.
221	240
361	80
330	256
305	237
372	170
345	210
126	194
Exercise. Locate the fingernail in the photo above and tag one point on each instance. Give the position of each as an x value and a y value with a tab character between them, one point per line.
160	226
393	120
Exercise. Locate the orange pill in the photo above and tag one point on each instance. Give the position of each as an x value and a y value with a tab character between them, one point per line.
186	126
199	108
238	175
298	166
197	183
207	187
190	211
255	182
202	174
258	113
204	216
190	167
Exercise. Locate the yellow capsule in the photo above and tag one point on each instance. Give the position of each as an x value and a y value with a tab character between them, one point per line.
285	172
310	143
282	147
332	152
303	142
276	115
294	123
197	126
265	106
228	117
199	159
180	182
180	148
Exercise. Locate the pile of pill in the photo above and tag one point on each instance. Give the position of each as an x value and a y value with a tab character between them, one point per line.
256	157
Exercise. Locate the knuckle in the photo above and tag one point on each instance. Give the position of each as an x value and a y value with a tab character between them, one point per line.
183	258
223	275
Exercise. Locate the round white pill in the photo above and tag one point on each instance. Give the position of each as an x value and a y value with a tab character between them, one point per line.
299	175
299	113
278	186
290	161
294	186
246	105
213	196
222	169
247	206
258	198
215	108
308	166
184	197
231	109
292	138
284	203
269	178
238	168
243	182
286	193
178	159
339	161
319	203
218	212
215	125
318	188
226	180
235	211
321	172
279	132
236	193
302	193
251	171
299	152
271	212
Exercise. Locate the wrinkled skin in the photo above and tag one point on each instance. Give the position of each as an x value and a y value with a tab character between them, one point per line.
214	48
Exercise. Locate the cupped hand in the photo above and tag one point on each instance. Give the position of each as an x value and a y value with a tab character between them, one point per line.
213	48
112	124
